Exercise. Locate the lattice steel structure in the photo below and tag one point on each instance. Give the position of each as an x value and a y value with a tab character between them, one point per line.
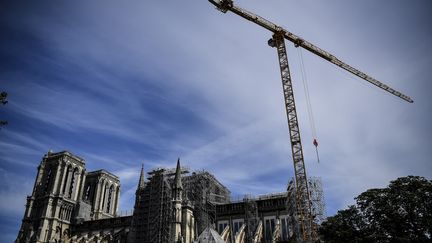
318	212
303	203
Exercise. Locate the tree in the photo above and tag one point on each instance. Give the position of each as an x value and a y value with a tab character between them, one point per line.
3	100
402	212
346	224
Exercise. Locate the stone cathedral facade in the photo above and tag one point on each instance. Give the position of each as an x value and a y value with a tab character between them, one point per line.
71	205
65	194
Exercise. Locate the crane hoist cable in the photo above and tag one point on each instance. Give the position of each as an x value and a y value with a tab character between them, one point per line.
308	102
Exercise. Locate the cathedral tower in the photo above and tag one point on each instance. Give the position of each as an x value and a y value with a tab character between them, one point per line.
101	192
56	192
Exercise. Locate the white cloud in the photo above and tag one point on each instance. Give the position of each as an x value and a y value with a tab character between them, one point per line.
220	68
13	194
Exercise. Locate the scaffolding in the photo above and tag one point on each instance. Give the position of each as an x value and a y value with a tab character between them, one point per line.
251	218
154	209
317	207
204	192
317	199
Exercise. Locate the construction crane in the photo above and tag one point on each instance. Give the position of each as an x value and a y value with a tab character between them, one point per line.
303	203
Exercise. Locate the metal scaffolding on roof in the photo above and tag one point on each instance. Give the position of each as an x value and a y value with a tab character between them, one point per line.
154	203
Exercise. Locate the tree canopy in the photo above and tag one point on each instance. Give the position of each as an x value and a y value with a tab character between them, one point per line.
3	100
401	212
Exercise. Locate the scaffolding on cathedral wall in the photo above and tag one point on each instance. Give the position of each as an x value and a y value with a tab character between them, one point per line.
153	209
204	192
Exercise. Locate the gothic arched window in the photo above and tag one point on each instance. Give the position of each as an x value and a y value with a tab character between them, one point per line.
110	192
87	192
48	180
103	194
68	171
72	183
57	234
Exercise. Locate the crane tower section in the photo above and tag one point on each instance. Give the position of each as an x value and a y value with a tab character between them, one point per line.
302	192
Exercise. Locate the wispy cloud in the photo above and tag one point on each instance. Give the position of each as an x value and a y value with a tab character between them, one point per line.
12	193
150	82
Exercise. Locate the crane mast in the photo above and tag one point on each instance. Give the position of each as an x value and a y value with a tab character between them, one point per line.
303	203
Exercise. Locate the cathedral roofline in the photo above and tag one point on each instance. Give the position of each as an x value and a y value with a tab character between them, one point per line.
103	172
210	175
51	155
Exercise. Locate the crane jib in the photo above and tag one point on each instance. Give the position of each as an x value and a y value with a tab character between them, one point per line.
227	5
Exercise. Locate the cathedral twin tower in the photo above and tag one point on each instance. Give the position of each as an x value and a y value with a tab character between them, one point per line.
64	194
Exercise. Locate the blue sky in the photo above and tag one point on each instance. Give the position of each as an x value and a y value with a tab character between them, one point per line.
120	84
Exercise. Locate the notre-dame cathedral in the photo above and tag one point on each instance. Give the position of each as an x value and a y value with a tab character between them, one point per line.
69	204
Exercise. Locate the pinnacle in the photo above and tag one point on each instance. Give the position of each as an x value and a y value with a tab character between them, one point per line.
141	183
177	179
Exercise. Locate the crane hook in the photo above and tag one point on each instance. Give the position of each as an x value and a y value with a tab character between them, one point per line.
315	143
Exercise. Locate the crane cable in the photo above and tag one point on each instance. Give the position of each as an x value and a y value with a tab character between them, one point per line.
308	102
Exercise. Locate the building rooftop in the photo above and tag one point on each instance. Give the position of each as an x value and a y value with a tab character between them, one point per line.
51	155
209	235
104	172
